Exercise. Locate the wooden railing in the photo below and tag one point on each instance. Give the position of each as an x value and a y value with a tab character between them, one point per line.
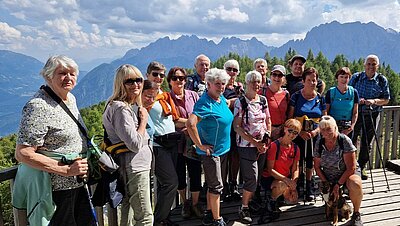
388	138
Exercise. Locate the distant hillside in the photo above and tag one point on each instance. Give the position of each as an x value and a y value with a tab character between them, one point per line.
97	84
353	40
19	79
19	74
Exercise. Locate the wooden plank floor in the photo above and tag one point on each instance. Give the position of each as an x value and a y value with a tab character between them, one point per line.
380	207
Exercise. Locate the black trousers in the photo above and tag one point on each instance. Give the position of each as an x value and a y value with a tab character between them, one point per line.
73	208
367	137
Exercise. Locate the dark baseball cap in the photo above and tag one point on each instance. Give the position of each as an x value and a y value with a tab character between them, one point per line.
295	57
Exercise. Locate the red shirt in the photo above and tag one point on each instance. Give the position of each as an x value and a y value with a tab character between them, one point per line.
285	160
278	104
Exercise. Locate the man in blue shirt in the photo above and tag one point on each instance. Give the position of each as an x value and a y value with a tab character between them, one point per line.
196	81
373	90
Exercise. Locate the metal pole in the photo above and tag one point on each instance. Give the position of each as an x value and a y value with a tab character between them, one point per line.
378	147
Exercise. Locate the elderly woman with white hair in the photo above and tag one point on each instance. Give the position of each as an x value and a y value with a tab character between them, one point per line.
45	185
209	127
232	90
335	163
252	124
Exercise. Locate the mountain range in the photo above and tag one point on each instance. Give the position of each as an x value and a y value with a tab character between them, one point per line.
19	74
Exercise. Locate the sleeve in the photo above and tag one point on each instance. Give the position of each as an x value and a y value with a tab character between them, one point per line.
237	111
353	77
348	144
124	122
271	151
33	127
328	96
356	97
316	151
385	89
293	99
200	109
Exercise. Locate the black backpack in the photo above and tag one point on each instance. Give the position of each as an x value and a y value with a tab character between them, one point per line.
243	103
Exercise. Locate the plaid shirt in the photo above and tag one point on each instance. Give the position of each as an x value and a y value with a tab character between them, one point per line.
370	88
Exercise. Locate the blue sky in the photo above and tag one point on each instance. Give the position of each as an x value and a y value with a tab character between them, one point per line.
92	29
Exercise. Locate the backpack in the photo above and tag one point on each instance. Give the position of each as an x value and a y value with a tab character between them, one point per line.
278	148
244	104
341	145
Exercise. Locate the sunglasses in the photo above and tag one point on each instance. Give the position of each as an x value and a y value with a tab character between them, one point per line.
231	69
131	81
277	75
180	78
294	132
156	74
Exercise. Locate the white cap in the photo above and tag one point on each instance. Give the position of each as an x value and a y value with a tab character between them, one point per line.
280	68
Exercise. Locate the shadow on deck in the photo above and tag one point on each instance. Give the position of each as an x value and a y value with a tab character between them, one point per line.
379	207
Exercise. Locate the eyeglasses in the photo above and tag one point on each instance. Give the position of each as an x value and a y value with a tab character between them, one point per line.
131	81
231	69
156	74
277	75
180	78
294	132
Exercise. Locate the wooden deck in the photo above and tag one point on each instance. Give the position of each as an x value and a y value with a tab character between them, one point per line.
381	207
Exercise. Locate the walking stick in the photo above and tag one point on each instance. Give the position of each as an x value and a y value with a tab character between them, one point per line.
369	148
377	146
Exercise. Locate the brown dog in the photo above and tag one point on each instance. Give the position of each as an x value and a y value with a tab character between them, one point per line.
332	207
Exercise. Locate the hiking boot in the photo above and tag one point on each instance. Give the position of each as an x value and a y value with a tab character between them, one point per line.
186	209
364	175
309	191
219	222
197	210
244	215
207	218
254	206
273	209
356	219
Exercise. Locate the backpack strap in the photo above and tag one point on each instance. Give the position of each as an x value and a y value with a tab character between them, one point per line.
278	148
244	105
340	141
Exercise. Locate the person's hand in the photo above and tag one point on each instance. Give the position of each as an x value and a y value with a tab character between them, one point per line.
79	167
208	149
347	131
261	147
143	115
305	135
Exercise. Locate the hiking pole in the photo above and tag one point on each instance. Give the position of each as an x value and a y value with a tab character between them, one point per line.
312	179
369	148
304	171
377	146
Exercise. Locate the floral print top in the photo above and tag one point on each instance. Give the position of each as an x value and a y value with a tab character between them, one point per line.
46	125
257	116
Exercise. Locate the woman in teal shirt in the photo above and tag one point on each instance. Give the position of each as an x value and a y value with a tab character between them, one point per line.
209	127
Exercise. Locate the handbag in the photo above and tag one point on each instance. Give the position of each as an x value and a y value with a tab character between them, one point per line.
97	159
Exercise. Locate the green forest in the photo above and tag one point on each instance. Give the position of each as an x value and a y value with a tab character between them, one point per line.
92	115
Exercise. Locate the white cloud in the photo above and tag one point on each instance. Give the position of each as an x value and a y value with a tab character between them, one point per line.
103	28
7	33
231	15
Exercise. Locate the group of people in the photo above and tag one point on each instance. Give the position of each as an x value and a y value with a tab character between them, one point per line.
274	131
